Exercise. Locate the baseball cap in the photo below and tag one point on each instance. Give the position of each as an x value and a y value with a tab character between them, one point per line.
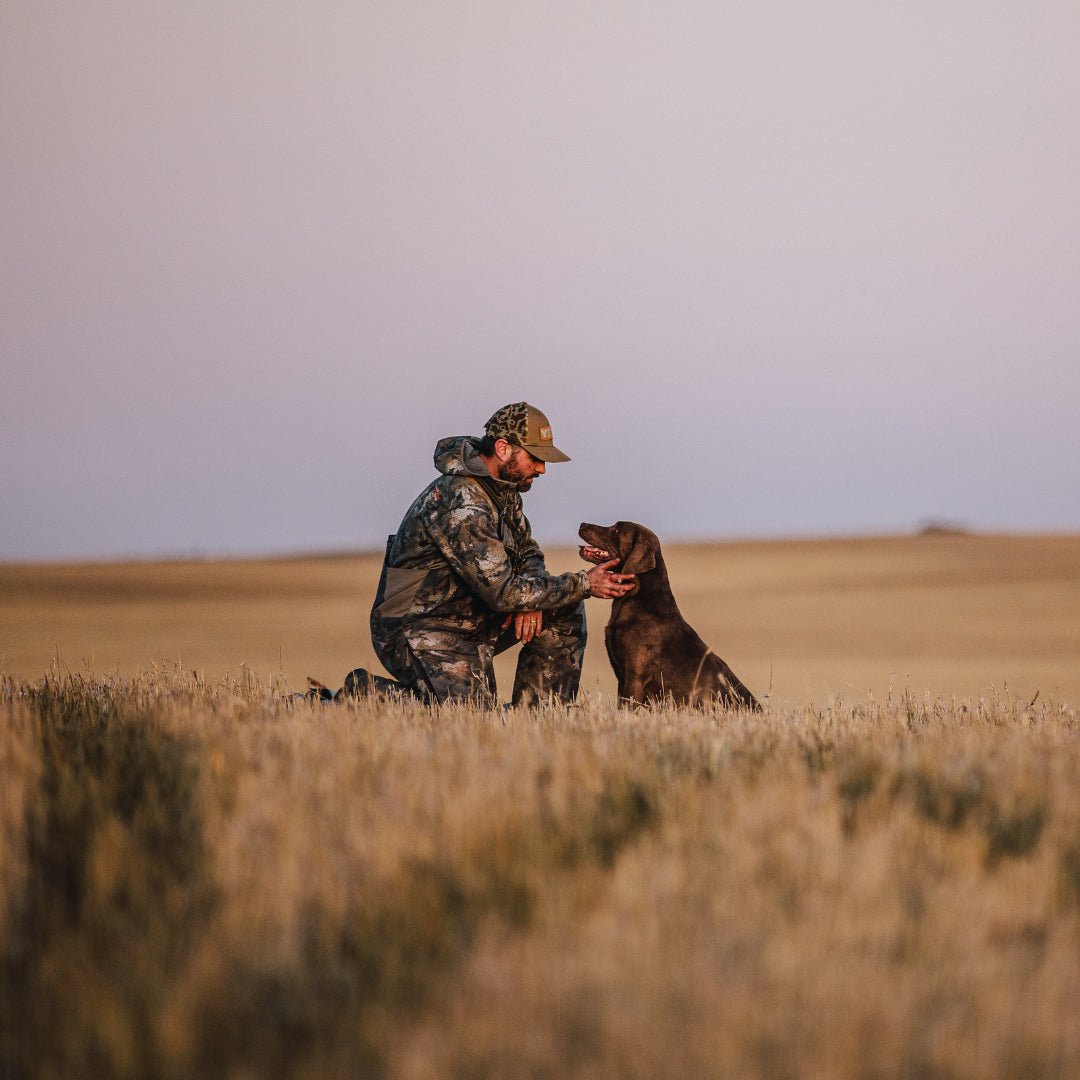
526	426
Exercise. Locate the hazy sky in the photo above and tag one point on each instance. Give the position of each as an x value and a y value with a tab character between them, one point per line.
770	268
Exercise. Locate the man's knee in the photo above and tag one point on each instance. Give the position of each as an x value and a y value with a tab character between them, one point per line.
549	666
563	627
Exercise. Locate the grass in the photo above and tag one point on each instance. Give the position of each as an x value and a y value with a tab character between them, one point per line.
809	620
878	877
205	880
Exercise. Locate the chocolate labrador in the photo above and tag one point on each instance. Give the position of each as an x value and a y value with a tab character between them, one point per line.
656	654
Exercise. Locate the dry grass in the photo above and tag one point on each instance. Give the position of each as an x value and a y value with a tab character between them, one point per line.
198	878
204	880
815	619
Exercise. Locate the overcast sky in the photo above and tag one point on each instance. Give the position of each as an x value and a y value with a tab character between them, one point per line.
770	268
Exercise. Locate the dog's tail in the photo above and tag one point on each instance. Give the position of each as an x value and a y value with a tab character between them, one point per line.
736	692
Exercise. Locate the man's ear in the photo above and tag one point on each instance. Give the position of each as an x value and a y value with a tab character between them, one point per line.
642	557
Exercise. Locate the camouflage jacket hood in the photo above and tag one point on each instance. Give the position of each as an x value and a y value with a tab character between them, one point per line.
463	557
459	455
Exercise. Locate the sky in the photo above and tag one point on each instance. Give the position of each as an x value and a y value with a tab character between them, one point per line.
770	268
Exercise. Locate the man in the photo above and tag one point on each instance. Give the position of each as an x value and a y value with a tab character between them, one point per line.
463	578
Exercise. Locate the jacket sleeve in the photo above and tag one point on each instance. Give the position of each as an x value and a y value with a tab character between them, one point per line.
465	531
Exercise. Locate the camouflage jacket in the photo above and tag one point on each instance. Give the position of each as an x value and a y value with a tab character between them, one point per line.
456	561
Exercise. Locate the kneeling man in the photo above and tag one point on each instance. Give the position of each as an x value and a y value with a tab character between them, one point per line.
464	579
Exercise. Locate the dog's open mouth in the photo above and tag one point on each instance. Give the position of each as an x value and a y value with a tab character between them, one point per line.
593	549
593	554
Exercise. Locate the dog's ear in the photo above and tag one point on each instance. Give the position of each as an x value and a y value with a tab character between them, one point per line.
642	556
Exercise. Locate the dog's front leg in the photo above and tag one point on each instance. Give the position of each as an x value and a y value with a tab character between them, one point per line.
633	690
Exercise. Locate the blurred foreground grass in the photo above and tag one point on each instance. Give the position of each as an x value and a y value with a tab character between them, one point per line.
200	879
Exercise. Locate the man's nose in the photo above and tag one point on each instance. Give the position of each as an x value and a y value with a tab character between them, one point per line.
541	468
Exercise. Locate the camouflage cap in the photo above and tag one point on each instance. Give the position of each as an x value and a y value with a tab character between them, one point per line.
526	426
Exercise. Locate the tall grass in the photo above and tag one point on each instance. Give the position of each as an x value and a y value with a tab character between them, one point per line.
208	880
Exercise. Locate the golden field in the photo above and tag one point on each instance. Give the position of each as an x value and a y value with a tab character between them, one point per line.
877	877
812	620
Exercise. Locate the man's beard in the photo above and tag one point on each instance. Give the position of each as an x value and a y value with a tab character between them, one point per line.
512	473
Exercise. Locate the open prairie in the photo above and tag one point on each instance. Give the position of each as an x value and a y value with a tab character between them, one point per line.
804	621
876	877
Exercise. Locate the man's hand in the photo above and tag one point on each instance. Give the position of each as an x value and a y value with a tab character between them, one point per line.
603	584
606	585
527	624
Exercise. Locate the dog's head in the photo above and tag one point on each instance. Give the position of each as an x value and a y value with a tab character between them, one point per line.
632	544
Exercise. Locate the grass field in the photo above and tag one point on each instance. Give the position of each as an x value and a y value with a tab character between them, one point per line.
812	620
877	877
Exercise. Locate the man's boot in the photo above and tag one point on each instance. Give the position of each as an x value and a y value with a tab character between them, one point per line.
361	683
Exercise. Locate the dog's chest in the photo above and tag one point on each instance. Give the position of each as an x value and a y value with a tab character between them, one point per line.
634	633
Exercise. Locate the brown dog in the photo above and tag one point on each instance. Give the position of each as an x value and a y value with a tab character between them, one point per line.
656	654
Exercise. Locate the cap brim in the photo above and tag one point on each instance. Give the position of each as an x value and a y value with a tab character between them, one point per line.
547	454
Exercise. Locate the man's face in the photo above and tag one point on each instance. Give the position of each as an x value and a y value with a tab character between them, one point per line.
520	468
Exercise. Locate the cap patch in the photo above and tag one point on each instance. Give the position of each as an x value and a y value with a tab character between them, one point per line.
545	434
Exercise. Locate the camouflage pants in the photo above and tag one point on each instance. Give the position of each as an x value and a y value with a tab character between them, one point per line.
447	665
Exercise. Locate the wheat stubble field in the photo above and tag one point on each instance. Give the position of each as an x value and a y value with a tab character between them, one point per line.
812	619
878	877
